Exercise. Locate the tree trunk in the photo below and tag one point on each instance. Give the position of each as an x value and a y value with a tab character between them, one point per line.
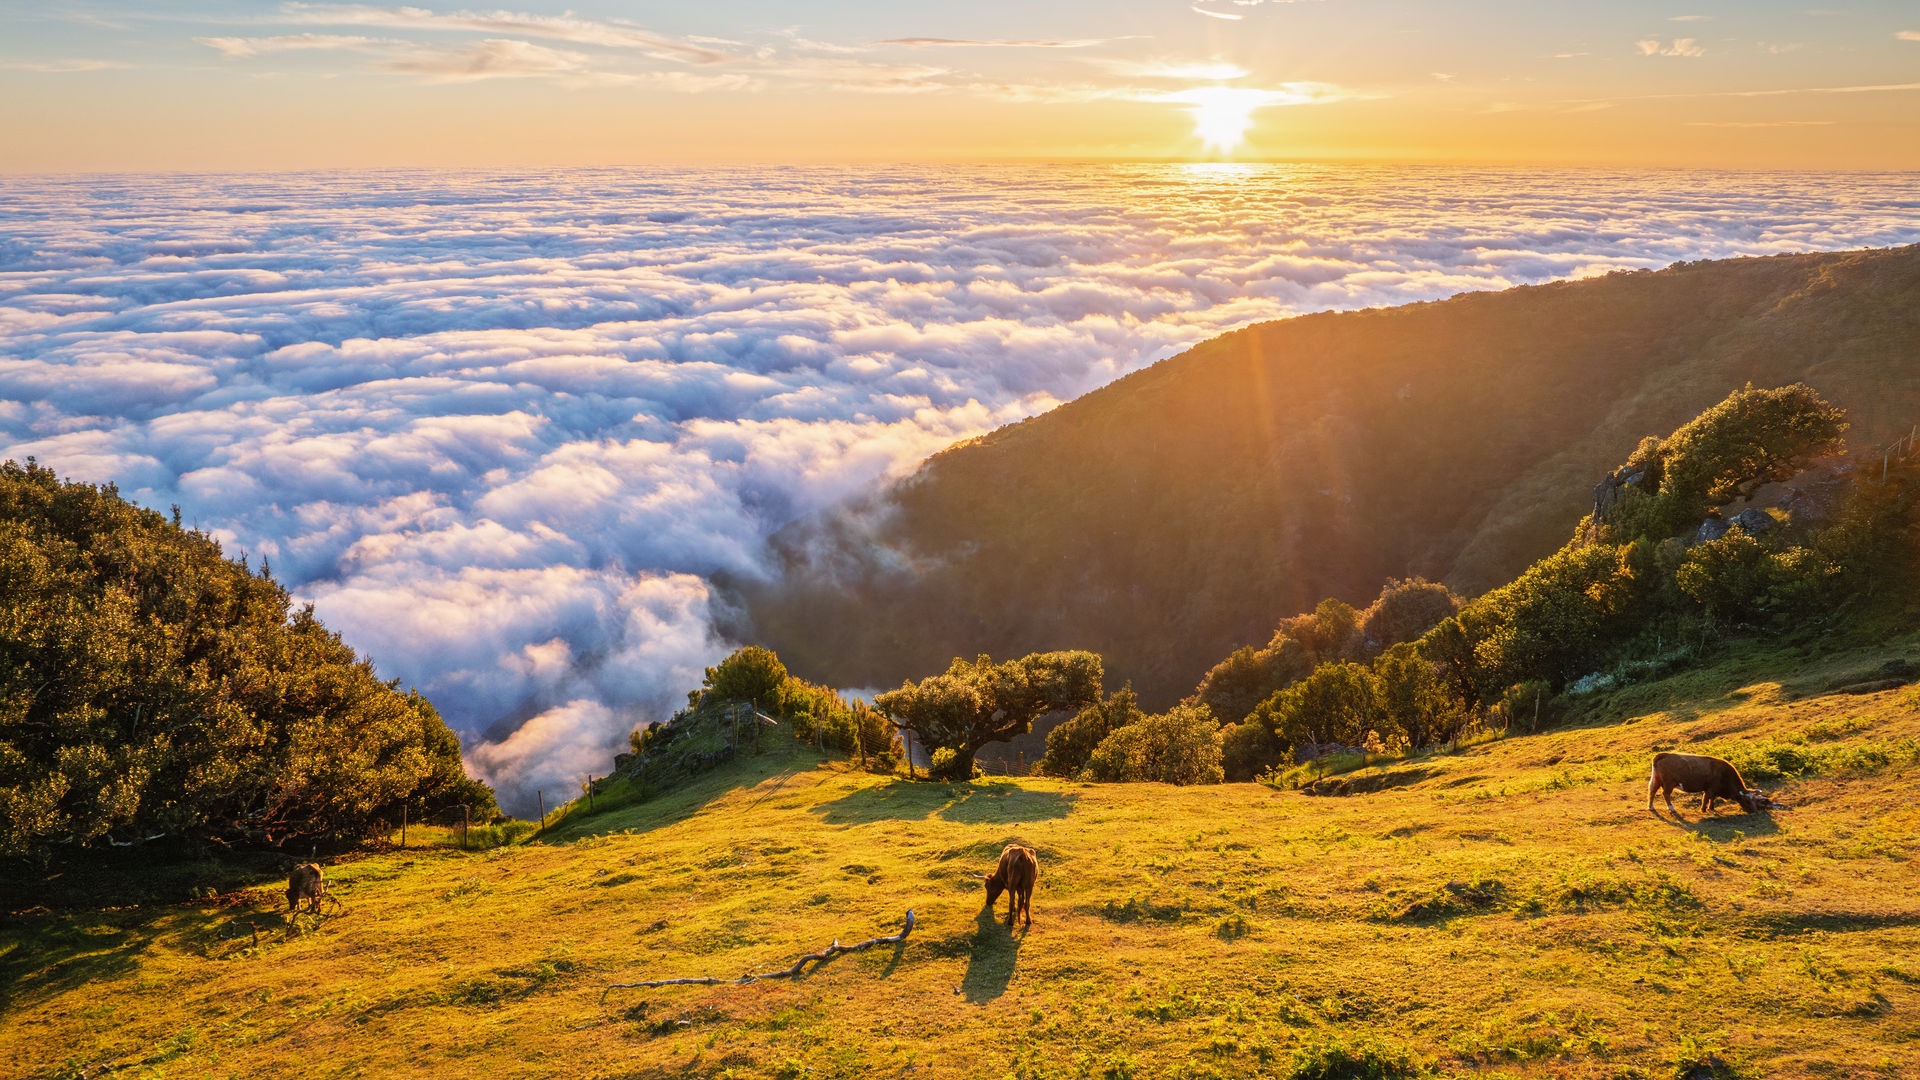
961	767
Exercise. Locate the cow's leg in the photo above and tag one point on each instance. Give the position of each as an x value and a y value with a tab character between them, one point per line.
1706	801
1653	784
1026	905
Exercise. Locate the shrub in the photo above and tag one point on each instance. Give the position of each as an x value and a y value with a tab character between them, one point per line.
1179	746
1338	703
1070	745
750	674
1415	699
1249	749
1403	612
1737	579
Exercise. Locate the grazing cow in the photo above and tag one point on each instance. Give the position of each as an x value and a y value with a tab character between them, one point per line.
1711	777
1019	869
305	883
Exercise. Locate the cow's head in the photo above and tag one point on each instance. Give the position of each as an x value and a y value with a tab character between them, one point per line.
1753	800
995	886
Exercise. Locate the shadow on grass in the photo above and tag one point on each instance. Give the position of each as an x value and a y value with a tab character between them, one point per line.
1718	826
44	954
990	963
979	803
628	806
1834	922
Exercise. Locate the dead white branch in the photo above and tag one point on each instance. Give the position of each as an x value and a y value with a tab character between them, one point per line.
828	953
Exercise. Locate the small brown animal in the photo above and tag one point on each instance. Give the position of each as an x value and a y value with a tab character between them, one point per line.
305	883
1711	777
1019	869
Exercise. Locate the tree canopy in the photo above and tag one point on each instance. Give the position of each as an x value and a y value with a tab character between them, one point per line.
150	686
975	702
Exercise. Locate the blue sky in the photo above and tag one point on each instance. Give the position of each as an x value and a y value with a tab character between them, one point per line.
184	85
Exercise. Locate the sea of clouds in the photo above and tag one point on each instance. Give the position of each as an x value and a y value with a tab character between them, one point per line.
500	428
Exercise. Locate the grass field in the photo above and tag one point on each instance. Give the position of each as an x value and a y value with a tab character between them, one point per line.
1510	909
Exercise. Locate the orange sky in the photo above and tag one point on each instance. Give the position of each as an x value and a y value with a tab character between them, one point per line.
232	85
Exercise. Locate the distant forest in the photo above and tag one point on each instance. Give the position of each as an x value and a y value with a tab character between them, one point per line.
1176	515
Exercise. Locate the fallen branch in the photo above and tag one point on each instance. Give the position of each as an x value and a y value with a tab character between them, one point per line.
828	953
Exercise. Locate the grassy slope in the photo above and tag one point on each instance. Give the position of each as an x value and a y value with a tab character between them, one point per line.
1177	931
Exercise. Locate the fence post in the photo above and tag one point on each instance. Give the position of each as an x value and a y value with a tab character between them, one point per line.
403	826
907	734
542	797
589	793
466	819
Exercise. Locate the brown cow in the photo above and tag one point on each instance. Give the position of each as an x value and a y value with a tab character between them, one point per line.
1019	869
305	883
1711	777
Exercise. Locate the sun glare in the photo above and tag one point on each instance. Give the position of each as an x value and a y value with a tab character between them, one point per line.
1222	115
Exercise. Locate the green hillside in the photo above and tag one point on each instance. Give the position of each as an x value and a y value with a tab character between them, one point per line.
1178	513
1505	909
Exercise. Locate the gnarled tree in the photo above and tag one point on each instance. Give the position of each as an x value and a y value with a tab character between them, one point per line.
975	702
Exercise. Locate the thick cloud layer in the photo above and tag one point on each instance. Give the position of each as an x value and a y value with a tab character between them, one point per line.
501	427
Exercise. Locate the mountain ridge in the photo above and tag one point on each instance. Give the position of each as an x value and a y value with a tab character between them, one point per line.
1178	512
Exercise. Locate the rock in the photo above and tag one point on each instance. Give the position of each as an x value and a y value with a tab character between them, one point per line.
1607	492
1711	529
1755	522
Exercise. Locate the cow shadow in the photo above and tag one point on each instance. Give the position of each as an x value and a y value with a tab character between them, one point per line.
991	960
977	803
1721	827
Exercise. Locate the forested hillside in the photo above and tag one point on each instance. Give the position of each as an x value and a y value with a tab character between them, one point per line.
1177	514
151	688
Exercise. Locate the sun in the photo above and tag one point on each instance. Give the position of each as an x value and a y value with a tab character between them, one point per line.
1222	115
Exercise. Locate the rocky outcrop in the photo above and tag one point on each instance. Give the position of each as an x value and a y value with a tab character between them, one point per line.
1607	493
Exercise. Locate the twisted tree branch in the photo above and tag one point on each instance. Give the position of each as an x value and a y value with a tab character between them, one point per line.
828	953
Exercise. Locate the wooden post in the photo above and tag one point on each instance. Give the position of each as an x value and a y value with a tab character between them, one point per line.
589	794
466	819
542	797
733	733
403	826
1536	710
907	734
756	735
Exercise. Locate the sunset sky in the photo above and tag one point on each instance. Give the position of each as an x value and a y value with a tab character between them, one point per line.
222	84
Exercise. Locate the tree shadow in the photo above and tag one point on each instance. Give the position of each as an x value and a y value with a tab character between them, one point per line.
990	962
1002	801
44	954
977	803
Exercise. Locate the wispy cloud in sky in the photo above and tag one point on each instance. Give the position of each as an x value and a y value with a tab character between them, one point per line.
1679	47
566	27
62	67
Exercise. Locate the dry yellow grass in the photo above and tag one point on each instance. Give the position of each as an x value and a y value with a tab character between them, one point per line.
1509	910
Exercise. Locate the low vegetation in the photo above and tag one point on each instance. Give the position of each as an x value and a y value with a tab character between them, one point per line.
1504	909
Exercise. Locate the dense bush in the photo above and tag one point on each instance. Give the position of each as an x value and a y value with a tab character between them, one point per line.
1250	749
1072	743
1179	746
150	686
751	674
